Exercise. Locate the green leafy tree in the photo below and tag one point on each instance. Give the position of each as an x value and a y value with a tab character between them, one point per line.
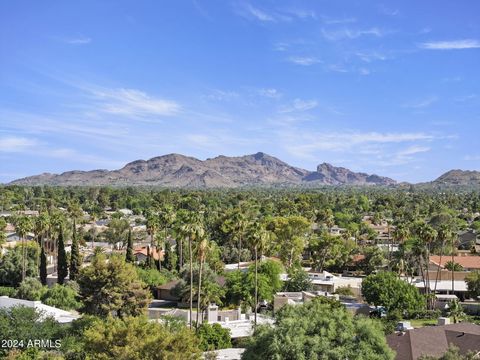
112	286
328	251
136	338
318	330
12	263
24	324
62	296
374	259
453	266
473	283
387	290
117	231
344	290
30	289
240	286
213	337
290	233
153	277
62	270
298	280
455	310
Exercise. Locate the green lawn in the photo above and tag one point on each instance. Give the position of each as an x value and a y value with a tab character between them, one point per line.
416	323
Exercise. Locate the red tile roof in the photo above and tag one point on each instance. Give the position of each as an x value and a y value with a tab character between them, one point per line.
467	262
153	252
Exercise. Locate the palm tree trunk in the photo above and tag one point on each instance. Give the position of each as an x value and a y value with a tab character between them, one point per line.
191	279
256	284
438	269
239	251
180	255
453	269
23	258
199	290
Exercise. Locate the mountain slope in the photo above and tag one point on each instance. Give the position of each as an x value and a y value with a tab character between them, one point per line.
179	171
459	177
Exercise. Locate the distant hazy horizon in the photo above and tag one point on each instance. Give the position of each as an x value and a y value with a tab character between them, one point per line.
389	88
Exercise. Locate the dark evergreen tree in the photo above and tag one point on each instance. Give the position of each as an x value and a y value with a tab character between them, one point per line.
75	254
43	267
129	256
149	263
62	270
170	257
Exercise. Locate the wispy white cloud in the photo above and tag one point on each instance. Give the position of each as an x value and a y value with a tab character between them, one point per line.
258	13
451	44
337	68
364	71
307	145
14	144
347	33
389	11
301	13
466	97
299	105
369	57
304	60
287	14
132	102
222	95
80	40
270	93
423	103
412	150
335	21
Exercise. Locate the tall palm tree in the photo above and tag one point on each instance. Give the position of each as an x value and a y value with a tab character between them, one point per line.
42	224
152	226
3	235
193	230
167	217
454	240
444	233
427	235
57	221
259	238
202	249
240	227
399	235
23	225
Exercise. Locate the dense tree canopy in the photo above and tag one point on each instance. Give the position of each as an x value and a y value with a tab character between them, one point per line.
387	290
318	330
112	286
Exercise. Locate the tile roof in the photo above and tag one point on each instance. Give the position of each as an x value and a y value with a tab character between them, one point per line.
467	262
153	251
435	340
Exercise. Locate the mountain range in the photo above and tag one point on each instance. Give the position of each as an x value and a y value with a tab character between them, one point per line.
179	171
256	170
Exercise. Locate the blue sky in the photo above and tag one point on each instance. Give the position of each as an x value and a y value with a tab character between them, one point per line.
383	87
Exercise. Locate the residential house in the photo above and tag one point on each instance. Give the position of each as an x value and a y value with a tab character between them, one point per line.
435	340
141	253
468	262
61	316
328	282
